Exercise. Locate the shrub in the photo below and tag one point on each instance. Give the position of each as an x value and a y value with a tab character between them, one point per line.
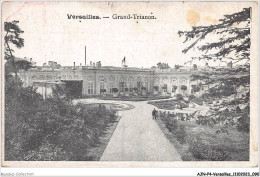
174	87
183	87
202	151
198	149
171	124
238	110
191	97
217	154
126	89
156	88
102	90
114	90
179	97
135	89
181	134
243	123
195	88
51	129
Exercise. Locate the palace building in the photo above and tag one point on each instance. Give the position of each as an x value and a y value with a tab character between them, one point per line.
96	79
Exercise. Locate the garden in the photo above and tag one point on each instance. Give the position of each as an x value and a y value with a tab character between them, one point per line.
172	104
196	142
53	129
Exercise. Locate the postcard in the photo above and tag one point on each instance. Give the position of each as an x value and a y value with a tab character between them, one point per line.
129	84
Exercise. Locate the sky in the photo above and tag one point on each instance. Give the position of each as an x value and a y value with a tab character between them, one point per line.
50	36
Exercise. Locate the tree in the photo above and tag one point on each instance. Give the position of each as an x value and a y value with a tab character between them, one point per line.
12	38
231	45
233	33
162	65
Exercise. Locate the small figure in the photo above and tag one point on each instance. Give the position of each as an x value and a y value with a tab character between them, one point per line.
153	113
156	114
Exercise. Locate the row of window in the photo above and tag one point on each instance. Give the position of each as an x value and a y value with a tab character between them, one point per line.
122	86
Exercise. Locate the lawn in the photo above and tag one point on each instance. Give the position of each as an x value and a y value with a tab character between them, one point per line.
234	145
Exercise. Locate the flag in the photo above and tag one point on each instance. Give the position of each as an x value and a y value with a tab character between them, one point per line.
123	61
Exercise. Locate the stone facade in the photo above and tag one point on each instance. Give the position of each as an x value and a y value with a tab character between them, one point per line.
96	79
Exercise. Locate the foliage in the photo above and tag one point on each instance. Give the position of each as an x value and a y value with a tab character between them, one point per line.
243	124
191	97
171	124
181	134
12	36
163	65
203	151
196	88
135	89
174	87
144	88
114	90
103	90
183	87
179	97
38	129
177	66
156	88
126	89
233	32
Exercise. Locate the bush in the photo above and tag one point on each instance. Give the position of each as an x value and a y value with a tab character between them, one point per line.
191	97
114	90
51	129
243	124
156	88
181	134
198	149
171	124
179	97
183	87
102	90
202	151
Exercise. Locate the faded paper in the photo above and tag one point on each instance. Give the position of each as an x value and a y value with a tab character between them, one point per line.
60	32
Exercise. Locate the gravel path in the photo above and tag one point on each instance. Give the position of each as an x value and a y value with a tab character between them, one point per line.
138	137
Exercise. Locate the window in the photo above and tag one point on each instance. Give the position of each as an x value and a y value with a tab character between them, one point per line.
147	86
131	85
90	88
122	86
164	87
111	86
102	83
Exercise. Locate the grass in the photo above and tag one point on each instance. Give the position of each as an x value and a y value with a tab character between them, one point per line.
96	152
236	144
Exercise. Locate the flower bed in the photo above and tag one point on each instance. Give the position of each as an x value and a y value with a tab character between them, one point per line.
169	104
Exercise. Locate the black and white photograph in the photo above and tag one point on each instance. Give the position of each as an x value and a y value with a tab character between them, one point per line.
129	84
